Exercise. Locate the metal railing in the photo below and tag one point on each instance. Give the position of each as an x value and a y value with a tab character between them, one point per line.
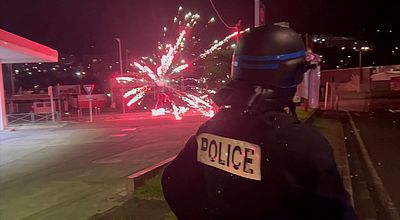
30	117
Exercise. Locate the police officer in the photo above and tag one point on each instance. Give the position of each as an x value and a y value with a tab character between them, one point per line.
253	160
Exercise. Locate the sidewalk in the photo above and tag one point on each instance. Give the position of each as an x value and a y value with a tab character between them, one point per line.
333	131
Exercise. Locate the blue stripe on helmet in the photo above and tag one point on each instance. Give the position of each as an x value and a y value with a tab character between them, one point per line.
281	57
271	66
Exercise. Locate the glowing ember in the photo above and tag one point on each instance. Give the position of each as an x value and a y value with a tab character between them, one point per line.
158	112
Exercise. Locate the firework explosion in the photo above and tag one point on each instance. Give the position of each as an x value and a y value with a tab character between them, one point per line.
165	73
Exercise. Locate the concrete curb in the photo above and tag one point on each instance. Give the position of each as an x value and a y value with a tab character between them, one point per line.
346	170
390	210
138	178
36	126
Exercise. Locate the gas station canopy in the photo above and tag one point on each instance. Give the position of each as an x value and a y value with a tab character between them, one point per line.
16	49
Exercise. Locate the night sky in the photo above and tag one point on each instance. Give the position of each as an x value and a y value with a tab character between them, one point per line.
90	26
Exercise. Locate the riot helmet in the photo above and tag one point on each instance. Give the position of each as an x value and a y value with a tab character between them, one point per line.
270	56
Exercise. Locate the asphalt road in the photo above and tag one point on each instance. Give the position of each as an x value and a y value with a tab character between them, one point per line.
380	130
47	172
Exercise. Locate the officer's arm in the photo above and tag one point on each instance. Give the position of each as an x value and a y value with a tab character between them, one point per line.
329	197
183	184
326	196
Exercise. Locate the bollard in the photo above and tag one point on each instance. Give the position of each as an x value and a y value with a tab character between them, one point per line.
337	103
79	114
326	95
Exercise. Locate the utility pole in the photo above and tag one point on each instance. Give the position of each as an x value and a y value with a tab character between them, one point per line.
127	59
259	13
121	73
360	50
12	74
12	77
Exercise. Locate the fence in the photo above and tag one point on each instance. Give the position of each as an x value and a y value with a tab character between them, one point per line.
351	87
30	117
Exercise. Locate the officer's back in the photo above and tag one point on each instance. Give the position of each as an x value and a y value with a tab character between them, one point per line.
253	160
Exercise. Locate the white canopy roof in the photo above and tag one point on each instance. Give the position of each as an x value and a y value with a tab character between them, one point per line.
16	49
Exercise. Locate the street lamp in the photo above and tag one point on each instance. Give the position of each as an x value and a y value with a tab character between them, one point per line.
120	69
360	50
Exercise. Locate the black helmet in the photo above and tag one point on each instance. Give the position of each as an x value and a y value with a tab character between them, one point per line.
270	56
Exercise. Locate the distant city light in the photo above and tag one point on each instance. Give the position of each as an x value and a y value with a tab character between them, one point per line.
348	56
390	31
343	48
233	45
365	48
378	30
16	71
396	48
30	73
212	20
165	29
78	73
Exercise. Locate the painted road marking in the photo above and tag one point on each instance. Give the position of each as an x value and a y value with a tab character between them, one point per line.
119	135
128	129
